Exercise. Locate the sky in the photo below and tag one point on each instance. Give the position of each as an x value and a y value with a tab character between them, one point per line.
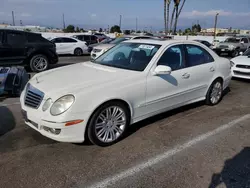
104	13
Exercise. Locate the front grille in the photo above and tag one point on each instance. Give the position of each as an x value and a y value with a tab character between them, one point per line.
33	97
242	73
243	66
223	46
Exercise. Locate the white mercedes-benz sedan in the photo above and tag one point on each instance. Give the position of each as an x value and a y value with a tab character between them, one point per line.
132	81
241	65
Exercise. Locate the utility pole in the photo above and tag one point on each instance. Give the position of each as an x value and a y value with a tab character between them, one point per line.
120	25
215	24
21	23
63	22
136	25
13	18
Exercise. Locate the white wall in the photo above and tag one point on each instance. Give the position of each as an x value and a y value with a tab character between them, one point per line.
207	38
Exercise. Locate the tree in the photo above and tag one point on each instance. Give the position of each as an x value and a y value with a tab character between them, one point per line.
176	12
180	31
82	30
138	31
69	29
172	19
115	28
165	16
100	30
77	30
168	7
27	29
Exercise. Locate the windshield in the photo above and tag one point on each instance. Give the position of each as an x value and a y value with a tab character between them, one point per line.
119	40
247	53
131	56
106	41
232	40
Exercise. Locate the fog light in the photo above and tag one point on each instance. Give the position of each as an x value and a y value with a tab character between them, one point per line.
51	130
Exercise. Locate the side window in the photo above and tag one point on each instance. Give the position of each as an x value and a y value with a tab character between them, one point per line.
173	57
244	40
93	38
86	38
14	38
57	40
1	37
69	40
36	38
197	56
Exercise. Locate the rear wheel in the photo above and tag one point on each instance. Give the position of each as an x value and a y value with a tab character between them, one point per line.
39	63
235	53
108	124
215	93
78	52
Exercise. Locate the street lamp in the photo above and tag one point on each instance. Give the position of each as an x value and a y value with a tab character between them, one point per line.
215	24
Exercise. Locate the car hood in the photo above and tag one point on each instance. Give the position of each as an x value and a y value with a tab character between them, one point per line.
104	46
75	78
242	60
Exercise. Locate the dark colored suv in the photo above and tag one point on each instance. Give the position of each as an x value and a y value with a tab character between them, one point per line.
89	39
27	49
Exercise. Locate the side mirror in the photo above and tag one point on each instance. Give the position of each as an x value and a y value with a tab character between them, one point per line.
241	53
162	70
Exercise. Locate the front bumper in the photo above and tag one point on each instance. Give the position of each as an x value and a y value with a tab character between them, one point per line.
36	119
241	73
95	55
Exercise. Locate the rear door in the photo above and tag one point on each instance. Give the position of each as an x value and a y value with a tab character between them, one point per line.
200	68
13	47
87	39
68	45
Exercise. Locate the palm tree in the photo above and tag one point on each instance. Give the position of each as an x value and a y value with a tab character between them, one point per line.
172	18
165	17
168	6
176	2
178	12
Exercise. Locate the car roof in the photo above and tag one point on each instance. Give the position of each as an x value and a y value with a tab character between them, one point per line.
21	31
161	42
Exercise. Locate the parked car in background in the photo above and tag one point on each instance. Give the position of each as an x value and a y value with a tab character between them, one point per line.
68	45
26	49
89	39
206	43
133	81
105	41
241	65
233	46
100	37
100	49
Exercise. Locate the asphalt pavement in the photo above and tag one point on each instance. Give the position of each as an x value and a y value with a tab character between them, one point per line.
191	147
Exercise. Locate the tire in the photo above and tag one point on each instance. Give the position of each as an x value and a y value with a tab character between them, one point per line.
99	118
78	52
235	53
215	93
34	63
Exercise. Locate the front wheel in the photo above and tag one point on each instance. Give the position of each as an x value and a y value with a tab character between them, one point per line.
235	53
108	124
214	94
39	63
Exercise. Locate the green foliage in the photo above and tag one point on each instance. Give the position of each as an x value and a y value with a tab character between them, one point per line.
196	28
100	30
28	30
77	30
115	28
138	31
69	29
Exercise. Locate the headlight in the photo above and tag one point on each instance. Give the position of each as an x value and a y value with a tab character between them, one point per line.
62	104
47	104
231	63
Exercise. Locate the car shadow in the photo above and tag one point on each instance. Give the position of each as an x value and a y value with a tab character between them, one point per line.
235	173
241	80
7	120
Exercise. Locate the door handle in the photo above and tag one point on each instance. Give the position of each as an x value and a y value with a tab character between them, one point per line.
212	69
186	75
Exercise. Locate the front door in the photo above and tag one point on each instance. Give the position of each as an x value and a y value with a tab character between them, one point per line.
166	91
